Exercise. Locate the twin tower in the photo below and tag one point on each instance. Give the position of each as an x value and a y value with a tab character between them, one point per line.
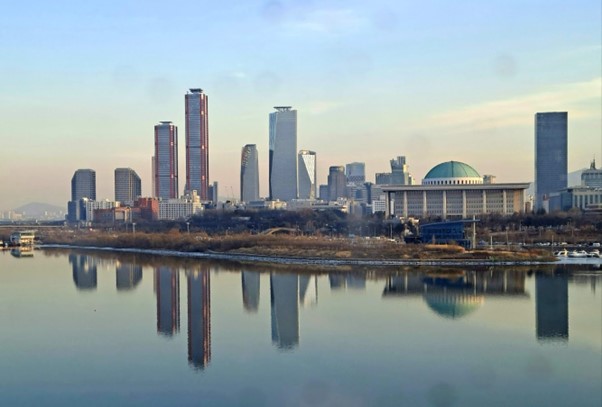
165	160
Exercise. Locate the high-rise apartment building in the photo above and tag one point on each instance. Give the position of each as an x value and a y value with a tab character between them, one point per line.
249	174
197	143
283	154
307	174
128	186
400	174
166	160
83	185
551	170
337	182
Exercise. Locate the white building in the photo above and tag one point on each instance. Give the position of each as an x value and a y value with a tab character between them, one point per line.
183	208
307	174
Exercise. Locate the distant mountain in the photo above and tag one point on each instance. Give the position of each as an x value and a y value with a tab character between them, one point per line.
40	210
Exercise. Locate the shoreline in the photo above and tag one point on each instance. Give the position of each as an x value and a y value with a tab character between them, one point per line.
269	259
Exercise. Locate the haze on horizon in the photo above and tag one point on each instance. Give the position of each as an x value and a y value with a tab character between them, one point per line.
84	84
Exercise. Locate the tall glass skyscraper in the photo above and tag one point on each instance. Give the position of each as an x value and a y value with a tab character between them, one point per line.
551	170
249	174
307	174
128	186
337	182
283	154
83	185
197	143
356	173
166	160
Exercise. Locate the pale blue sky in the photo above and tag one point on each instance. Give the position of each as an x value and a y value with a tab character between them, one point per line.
83	83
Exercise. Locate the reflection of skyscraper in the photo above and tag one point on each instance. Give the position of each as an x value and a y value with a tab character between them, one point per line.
283	154
249	174
337	281
307	174
308	290
284	289
128	276
199	318
250	290
552	307
167	286
84	271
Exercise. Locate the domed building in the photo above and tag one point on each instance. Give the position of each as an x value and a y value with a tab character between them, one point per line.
452	173
455	190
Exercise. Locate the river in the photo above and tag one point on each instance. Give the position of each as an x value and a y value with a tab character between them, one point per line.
98	329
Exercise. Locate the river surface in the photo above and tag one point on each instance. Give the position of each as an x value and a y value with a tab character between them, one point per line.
103	329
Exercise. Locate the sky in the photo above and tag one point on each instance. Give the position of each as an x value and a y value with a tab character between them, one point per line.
82	84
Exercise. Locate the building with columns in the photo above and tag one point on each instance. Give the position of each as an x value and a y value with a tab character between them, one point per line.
454	190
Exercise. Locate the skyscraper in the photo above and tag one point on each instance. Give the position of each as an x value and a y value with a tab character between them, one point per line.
307	174
249	174
400	174
166	160
356	173
283	154
337	182
551	172
128	186
83	185
197	143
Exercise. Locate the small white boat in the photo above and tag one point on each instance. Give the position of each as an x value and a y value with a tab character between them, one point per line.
578	254
594	253
562	253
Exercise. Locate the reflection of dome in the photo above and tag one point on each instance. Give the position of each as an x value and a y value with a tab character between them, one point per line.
453	303
452	173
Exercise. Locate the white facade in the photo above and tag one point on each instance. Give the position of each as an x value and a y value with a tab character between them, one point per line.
183	208
283	154
91	206
249	174
307	174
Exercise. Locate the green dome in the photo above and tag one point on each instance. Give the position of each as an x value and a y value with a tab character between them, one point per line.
452	169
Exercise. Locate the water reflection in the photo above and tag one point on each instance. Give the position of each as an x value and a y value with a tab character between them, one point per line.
284	291
199	317
167	286
456	293
24	251
84	271
250	290
552	306
127	276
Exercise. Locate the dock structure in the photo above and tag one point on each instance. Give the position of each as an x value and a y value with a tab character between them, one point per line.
22	238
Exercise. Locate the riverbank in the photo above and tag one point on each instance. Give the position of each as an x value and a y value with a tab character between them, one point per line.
297	249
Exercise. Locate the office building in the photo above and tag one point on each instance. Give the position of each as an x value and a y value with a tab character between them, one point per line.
453	190
128	187
551	171
166	160
249	174
400	174
307	174
83	185
197	143
337	182
356	173
283	154
180	209
323	192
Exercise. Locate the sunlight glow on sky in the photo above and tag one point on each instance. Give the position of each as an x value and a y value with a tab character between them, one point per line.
83	83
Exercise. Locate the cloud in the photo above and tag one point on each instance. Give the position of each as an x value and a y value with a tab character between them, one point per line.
307	17
321	106
577	98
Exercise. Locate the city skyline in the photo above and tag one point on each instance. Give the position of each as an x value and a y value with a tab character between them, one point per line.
428	81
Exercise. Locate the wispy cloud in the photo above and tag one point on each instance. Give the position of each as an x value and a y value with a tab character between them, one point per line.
580	99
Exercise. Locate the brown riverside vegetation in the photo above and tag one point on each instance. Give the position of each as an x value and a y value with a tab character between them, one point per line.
289	246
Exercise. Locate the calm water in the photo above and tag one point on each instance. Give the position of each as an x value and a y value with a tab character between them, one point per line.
102	329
